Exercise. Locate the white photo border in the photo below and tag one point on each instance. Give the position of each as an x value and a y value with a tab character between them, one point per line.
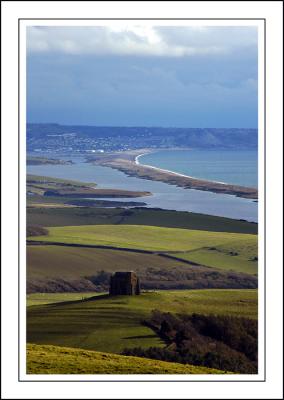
269	11
23	24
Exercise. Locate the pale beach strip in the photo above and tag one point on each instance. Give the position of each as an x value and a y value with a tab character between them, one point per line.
172	172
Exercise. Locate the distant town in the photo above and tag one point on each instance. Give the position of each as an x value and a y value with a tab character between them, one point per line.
54	138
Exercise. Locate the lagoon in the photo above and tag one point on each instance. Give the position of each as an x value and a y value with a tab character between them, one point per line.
164	196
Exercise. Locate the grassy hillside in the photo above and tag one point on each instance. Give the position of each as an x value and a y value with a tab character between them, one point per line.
35	299
144	237
73	262
105	323
68	269
236	255
143	216
46	359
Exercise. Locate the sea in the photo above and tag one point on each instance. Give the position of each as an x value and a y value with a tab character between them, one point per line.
204	164
238	167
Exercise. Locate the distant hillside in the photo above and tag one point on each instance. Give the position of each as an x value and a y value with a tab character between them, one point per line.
50	136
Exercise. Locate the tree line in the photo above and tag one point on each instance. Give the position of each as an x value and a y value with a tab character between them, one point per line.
222	342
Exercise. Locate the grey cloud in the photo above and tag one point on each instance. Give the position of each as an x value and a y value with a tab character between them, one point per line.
222	37
167	41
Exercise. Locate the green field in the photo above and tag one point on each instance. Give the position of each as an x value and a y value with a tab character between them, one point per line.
218	250
113	323
35	299
144	237
223	250
142	216
67	332
63	360
236	255
52	268
73	262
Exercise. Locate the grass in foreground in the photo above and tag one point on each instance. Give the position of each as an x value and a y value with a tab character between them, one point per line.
113	323
46	359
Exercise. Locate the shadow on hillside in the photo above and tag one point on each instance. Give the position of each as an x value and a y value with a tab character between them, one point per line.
83	300
93	298
141	337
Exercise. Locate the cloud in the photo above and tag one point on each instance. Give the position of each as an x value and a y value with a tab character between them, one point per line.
140	40
225	37
126	90
143	75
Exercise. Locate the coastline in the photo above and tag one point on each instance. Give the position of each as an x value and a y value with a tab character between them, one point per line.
171	172
49	187
128	163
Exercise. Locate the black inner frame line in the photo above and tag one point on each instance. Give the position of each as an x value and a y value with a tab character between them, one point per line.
19	194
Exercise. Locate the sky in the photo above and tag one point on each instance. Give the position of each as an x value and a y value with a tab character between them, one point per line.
138	75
